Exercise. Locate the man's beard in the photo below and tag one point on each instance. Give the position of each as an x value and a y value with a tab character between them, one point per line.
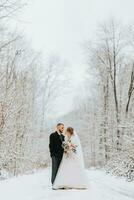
60	131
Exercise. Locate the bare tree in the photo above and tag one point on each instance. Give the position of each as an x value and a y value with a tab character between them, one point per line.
112	69
131	88
8	8
53	82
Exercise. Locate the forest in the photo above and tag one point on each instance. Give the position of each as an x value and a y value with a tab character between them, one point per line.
105	120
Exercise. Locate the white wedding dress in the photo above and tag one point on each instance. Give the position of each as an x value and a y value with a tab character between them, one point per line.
71	172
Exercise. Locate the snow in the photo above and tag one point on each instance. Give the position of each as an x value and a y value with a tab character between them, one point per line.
37	186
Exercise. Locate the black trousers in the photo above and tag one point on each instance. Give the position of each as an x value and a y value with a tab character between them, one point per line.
55	165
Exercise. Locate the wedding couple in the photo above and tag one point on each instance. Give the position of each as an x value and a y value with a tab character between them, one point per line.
68	170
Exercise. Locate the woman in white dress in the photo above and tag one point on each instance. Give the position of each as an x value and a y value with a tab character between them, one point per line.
71	173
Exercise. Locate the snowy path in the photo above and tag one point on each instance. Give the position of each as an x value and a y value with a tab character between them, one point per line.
37	187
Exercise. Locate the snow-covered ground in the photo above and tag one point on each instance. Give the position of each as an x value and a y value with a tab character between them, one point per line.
38	187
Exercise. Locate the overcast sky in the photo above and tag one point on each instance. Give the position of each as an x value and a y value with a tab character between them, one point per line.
60	26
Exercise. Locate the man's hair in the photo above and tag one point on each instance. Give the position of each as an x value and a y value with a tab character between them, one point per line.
59	124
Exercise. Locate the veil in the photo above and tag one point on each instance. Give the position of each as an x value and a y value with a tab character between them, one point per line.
79	148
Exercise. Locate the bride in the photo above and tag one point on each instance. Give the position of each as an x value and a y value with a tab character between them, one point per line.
71	173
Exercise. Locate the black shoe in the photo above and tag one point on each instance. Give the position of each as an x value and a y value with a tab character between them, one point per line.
54	189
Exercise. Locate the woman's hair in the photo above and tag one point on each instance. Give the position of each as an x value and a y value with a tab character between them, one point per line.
70	130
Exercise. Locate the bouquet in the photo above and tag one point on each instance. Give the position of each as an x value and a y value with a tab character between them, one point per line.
69	147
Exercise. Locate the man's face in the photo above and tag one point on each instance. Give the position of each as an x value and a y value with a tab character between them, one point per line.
61	128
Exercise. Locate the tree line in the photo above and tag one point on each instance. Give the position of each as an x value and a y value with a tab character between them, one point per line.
105	118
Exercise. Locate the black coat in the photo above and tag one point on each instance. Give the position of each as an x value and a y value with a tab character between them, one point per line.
55	144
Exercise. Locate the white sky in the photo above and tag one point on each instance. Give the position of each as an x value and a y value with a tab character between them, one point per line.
60	26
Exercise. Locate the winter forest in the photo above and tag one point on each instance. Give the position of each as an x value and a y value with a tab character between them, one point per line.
102	108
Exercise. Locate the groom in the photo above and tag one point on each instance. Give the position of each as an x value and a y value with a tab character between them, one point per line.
56	150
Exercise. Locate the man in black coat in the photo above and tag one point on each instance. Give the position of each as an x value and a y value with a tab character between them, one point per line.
56	149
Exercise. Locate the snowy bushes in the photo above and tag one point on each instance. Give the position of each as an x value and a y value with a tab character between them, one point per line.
121	165
122	162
